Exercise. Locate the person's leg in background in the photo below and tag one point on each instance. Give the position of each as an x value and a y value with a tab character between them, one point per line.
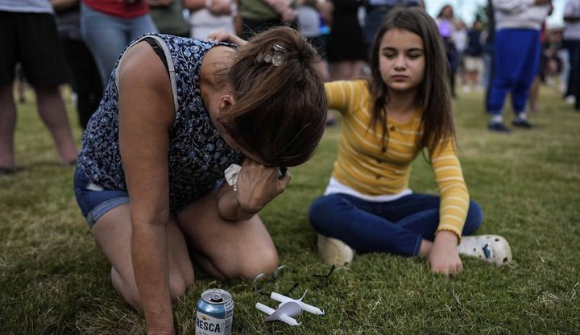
19	83
564	56
573	49
529	48
86	80
487	74
7	127
33	37
53	112
539	79
508	61
45	74
535	93
8	60
453	58
106	37
577	94
139	26
575	71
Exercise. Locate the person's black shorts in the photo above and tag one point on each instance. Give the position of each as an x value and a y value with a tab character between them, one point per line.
32	40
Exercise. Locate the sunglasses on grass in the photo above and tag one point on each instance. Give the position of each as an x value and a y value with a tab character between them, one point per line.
263	283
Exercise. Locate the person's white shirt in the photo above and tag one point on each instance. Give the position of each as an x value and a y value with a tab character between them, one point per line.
202	22
572	29
26	6
519	14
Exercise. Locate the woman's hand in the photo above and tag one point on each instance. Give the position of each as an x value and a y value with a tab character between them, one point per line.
443	257
288	16
220	7
221	35
257	185
280	6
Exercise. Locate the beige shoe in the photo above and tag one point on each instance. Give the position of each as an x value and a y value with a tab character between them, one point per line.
490	248
333	251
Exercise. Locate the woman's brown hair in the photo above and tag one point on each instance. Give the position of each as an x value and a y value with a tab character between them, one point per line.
280	109
433	95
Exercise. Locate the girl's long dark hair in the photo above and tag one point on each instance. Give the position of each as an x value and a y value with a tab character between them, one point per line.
433	95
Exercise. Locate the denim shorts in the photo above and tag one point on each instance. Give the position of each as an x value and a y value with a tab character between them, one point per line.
93	200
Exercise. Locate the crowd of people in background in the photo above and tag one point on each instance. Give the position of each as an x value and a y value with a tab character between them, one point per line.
84	38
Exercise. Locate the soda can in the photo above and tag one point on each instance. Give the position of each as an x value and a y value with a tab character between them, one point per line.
215	313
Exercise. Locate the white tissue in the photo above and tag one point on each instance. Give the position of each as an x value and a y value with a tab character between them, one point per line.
231	175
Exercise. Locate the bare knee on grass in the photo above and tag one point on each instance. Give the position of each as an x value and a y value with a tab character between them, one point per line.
179	282
127	290
113	233
250	263
226	249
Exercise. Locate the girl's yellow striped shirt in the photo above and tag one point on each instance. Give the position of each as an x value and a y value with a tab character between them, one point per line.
362	166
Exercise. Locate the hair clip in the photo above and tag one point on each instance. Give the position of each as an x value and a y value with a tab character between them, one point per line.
276	57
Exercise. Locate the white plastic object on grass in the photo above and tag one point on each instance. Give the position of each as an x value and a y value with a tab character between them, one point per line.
288	309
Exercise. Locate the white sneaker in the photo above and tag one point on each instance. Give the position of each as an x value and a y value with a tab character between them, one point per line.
491	248
570	100
333	251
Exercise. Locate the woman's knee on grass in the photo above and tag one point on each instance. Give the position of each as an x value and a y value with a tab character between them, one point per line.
247	263
180	280
127	289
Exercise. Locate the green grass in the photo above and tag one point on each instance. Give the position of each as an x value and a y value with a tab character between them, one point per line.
54	280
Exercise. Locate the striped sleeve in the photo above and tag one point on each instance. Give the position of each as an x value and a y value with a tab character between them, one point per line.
452	189
343	96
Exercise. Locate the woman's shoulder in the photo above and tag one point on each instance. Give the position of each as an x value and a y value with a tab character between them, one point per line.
220	53
190	47
140	63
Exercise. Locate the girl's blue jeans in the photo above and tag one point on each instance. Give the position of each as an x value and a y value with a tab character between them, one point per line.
396	227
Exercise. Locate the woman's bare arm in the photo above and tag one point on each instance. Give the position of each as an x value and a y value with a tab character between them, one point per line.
146	113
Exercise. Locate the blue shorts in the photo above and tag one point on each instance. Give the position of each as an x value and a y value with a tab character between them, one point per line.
93	200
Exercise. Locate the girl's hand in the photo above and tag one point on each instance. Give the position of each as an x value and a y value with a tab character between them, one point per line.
257	185
221	35
443	257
